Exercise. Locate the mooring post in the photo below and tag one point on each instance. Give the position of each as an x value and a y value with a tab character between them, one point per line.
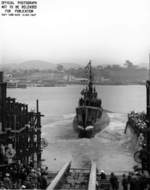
59	176
92	179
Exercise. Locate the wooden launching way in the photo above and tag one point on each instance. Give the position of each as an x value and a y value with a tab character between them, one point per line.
73	178
92	178
80	179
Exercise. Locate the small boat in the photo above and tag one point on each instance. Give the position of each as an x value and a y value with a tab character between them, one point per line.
89	111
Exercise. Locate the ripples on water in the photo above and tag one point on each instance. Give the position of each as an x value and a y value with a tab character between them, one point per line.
110	148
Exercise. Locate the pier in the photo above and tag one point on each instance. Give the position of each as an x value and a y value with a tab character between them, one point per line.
139	124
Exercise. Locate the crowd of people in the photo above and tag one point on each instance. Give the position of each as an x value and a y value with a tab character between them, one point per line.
138	119
24	177
89	98
133	181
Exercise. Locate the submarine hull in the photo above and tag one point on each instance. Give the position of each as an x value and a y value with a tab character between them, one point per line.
91	130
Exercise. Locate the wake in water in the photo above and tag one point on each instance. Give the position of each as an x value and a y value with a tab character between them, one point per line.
109	148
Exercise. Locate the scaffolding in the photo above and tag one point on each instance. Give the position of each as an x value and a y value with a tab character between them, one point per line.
20	131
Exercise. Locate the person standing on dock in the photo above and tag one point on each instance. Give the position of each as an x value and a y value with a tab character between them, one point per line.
114	181
140	140
102	174
124	182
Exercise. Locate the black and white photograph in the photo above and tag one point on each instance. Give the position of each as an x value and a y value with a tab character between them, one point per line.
75	94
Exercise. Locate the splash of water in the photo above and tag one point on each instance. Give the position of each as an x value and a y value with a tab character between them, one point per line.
109	148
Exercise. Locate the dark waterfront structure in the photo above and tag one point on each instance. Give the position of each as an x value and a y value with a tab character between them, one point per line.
139	123
147	131
148	93
20	131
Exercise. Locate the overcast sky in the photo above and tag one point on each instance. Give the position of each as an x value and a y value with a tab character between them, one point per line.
105	31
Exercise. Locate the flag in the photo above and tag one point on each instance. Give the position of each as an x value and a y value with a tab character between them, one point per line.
88	70
88	67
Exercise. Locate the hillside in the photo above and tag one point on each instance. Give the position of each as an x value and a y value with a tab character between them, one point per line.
37	64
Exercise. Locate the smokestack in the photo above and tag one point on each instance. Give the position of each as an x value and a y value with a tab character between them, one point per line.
1	76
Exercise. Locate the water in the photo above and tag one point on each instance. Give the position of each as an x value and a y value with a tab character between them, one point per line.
110	148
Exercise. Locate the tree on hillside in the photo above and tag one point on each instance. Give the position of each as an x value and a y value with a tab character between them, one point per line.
128	64
60	68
